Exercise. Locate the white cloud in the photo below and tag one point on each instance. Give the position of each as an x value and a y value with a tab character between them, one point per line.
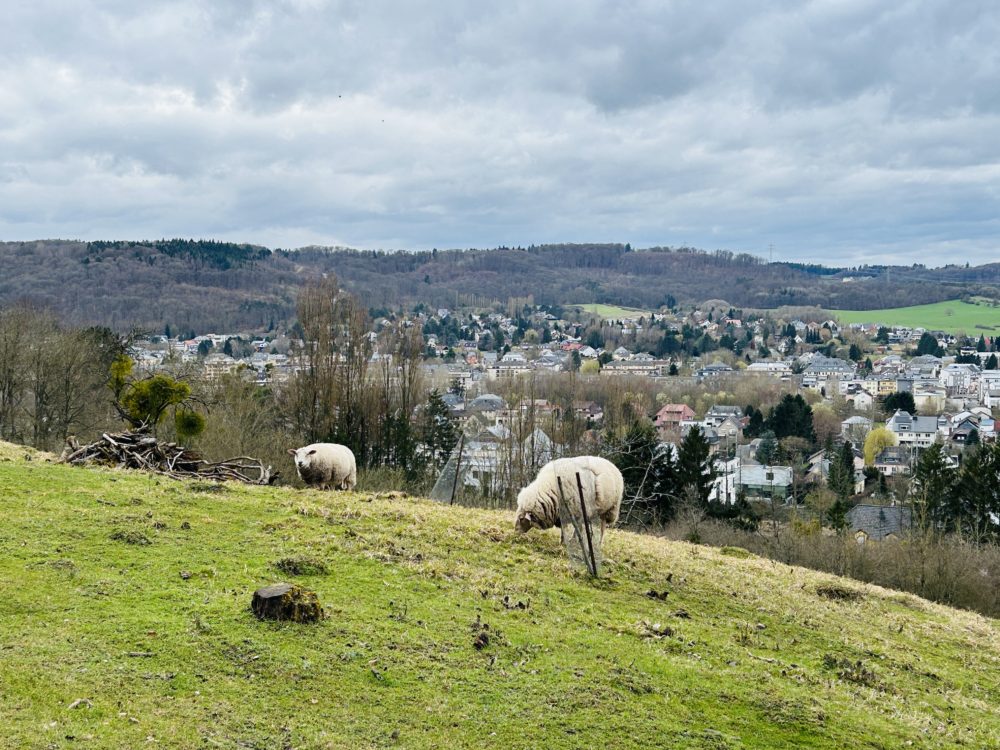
844	131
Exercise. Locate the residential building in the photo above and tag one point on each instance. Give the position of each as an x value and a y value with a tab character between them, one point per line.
753	481
856	429
893	461
777	369
879	522
914	432
713	370
670	416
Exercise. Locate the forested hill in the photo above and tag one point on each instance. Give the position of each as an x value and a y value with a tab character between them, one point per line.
206	285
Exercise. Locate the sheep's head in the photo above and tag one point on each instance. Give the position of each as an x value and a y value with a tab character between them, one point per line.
524	519
523	522
303	457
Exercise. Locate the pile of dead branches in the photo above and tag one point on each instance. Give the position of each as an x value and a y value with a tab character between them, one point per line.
140	450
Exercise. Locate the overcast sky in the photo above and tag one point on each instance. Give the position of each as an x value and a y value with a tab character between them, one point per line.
838	131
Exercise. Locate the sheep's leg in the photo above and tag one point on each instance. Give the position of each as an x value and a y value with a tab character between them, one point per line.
603	529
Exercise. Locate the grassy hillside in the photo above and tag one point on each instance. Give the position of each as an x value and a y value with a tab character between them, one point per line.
131	592
611	311
952	317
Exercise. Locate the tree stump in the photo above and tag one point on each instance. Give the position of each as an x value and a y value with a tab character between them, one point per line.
286	601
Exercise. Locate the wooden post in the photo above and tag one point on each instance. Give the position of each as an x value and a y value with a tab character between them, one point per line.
562	498
586	526
458	468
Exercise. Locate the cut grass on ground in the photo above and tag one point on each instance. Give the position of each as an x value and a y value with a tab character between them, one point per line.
611	311
110	643
955	316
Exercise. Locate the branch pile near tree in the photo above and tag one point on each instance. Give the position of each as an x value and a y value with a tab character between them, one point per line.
139	450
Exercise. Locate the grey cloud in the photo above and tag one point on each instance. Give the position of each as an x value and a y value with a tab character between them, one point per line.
844	130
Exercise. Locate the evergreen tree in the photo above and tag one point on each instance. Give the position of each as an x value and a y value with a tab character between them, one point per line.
981	344
900	400
991	362
836	516
739	513
695	473
665	483
646	465
792	417
755	422
437	431
855	353
767	452
883	485
929	345
841	474
846	455
933	482
976	494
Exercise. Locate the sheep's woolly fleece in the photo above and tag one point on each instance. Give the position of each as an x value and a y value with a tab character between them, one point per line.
538	504
326	465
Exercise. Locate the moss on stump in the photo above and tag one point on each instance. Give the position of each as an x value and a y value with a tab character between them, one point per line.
286	601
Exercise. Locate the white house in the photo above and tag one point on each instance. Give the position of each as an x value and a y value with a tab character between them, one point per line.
960	378
913	432
777	369
754	481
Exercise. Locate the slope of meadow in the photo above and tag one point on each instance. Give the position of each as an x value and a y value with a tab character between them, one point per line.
954	316
127	595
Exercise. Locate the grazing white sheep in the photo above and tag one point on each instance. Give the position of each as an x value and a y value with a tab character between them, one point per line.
326	466
603	486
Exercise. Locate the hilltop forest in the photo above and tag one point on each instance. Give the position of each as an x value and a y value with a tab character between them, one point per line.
201	285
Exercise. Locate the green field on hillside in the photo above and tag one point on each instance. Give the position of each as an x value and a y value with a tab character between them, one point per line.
953	317
127	596
611	311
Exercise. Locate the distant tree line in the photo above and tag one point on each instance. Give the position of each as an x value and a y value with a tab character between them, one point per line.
53	379
207	285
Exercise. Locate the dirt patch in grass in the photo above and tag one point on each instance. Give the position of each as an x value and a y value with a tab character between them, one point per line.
839	593
302	566
853	671
132	536
210	488
735	552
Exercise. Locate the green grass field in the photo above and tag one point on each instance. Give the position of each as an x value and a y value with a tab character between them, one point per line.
952	317
740	652
611	311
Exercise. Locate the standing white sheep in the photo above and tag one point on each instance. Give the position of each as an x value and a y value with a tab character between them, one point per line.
326	466
603	486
